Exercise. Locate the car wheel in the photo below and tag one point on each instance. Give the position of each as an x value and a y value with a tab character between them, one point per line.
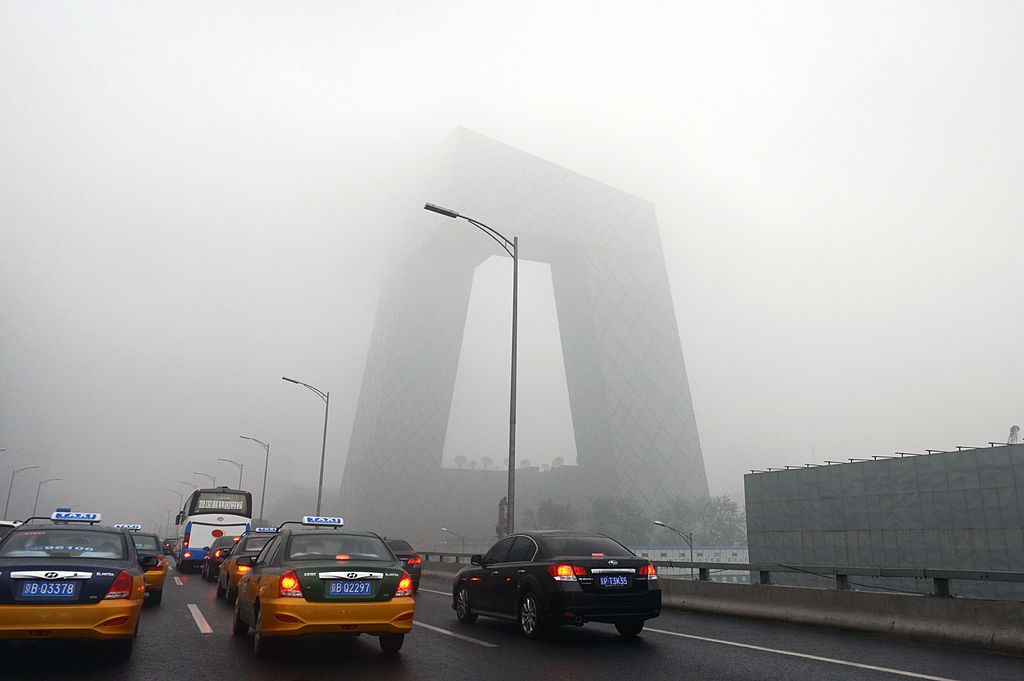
529	616
232	596
156	596
260	643
220	590
391	643
462	607
629	628
238	625
121	649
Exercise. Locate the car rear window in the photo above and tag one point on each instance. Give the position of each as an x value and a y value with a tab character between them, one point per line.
330	545
585	546
63	543
254	544
400	545
144	543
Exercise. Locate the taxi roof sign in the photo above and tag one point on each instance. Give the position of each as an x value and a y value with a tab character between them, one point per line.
326	521
128	526
75	517
261	530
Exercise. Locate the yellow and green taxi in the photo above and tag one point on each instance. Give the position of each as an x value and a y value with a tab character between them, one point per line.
69	577
321	579
147	544
230	571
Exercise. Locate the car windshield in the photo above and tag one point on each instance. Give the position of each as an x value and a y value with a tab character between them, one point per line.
63	543
254	544
144	542
585	546
334	546
400	545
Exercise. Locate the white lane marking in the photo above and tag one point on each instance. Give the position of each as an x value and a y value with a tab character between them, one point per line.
431	591
204	626
818	658
439	630
177	580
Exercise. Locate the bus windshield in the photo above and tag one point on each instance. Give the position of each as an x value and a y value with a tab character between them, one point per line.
235	503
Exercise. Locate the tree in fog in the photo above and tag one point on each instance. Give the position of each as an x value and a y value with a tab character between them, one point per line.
486	462
620	518
460	461
550	515
714	521
471	464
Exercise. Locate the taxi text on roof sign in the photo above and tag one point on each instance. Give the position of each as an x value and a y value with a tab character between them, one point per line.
80	517
321	520
128	526
266	529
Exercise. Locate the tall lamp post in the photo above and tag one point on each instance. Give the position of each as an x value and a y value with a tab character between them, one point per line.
10	489
688	536
463	538
213	480
238	466
35	504
266	464
326	397
512	248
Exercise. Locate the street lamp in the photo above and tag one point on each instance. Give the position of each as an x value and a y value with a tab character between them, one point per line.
181	497
688	536
512	248
213	480
266	464
445	529
326	397
11	488
39	487
232	461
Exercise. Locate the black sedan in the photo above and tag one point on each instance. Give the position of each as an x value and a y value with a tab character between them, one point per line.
217	553
544	579
411	561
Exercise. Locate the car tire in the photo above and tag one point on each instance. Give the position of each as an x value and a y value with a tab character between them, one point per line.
156	596
630	628
391	643
121	649
260	642
238	625
220	590
231	596
530	624
463	608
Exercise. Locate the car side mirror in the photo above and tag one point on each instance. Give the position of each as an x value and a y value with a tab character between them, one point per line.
178	518
477	559
246	561
149	562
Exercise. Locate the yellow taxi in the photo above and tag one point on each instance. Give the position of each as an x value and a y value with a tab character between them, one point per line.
230	571
147	544
71	578
321	579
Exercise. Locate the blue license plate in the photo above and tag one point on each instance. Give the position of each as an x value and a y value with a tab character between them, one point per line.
615	580
58	590
341	587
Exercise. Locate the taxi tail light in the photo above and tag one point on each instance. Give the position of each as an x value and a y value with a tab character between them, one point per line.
243	568
216	554
288	586
565	572
121	586
404	586
648	571
415	560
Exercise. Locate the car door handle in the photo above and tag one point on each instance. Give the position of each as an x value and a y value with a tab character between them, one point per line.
494	572
521	572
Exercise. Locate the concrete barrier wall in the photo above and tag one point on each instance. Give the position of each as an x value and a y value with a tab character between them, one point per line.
961	621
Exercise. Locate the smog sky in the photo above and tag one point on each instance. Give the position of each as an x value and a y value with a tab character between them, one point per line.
196	200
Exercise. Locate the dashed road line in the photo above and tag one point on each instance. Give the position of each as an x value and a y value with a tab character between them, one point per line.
177	580
204	626
431	591
818	658
461	637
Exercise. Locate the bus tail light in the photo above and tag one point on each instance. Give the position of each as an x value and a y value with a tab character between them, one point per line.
121	586
404	586
289	586
184	541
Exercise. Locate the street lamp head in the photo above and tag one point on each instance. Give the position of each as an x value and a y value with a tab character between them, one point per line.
447	212
658	522
445	529
290	380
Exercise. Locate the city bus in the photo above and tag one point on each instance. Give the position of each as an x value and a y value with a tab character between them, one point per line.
210	513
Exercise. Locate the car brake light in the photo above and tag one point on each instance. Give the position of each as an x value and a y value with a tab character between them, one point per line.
243	568
404	586
289	586
216	554
648	571
188	554
415	560
121	586
342	556
564	572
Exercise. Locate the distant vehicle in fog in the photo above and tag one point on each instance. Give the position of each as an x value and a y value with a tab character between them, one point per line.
211	513
411	561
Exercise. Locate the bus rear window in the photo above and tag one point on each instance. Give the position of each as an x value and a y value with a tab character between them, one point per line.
231	502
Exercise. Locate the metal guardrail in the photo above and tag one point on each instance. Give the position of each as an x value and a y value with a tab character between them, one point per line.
842	573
